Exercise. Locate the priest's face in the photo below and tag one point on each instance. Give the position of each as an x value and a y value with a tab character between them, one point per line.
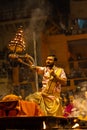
50	61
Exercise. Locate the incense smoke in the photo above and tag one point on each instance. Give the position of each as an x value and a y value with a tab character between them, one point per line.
36	26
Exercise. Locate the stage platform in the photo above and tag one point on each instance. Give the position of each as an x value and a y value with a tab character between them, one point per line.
41	123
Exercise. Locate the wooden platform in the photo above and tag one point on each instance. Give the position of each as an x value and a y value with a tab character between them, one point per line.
40	123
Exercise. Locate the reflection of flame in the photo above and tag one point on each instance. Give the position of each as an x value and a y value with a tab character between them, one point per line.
44	125
75	126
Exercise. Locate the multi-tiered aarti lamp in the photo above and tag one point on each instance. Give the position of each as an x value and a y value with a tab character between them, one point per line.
17	45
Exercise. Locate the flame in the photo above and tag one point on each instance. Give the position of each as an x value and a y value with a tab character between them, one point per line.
44	125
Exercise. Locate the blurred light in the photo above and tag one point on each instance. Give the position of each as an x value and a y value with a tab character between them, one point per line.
75	125
44	125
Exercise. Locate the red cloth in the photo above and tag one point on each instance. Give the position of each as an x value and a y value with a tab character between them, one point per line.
68	110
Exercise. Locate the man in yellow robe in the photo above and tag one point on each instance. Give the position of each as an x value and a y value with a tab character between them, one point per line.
49	96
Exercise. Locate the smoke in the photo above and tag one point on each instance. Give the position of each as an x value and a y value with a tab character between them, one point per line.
37	21
37	24
80	101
